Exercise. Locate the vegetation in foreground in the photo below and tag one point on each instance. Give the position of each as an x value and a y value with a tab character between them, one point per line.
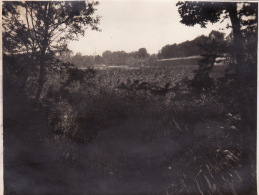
122	131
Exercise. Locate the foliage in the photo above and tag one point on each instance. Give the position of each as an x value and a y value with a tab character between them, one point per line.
136	58
192	48
200	12
46	25
142	53
114	58
82	61
41	28
139	58
243	16
187	48
215	46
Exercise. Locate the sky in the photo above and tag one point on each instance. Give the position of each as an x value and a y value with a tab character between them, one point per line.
127	25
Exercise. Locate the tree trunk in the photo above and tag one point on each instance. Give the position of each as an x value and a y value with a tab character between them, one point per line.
246	104
238	38
44	44
41	78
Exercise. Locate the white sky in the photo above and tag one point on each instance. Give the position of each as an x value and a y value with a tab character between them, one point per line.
132	24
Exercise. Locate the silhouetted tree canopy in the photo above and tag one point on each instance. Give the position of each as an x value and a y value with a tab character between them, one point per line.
40	27
194	47
244	24
243	17
142	53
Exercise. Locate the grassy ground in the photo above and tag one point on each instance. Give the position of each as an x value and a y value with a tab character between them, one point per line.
122	132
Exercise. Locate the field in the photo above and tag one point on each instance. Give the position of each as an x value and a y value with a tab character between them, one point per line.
119	131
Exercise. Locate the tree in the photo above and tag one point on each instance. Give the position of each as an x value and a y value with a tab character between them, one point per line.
65	56
39	28
239	13
142	53
98	59
184	49
210	48
244	24
107	58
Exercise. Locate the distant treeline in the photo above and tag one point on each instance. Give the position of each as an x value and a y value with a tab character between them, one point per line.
197	47
117	58
194	47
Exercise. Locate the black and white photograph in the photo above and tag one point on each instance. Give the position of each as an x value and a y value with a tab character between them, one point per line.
129	97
